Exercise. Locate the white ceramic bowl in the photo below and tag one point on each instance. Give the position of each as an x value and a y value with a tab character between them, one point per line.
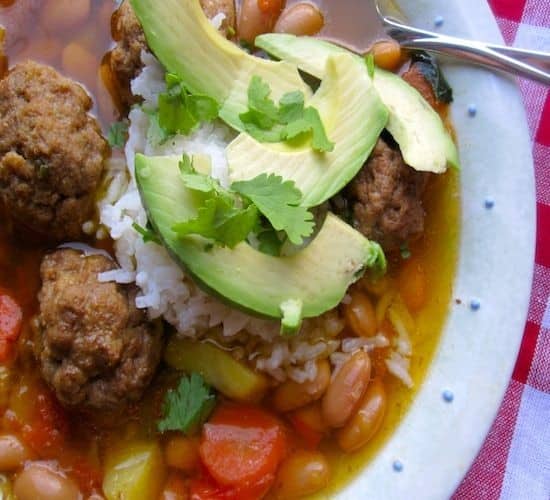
438	440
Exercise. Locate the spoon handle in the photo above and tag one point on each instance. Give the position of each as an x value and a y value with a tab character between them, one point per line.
530	64
480	54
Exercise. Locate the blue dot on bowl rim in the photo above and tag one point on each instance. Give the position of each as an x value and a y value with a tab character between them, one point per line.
448	396
438	21
475	305
472	110
397	466
489	203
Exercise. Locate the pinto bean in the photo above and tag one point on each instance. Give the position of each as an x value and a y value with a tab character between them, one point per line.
291	395
360	315
257	17
300	19
302	473
346	390
367	420
40	482
13	453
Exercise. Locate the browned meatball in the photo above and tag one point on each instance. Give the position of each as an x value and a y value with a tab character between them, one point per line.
125	58
386	198
51	152
96	350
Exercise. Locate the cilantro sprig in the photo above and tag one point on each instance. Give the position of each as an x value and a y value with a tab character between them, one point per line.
229	216
179	111
267	122
117	134
188	406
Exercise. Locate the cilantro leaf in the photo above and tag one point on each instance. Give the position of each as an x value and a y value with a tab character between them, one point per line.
278	201
117	135
319	142
179	111
258	99
223	217
155	133
266	122
291	107
369	61
194	180
147	234
188	406
269	242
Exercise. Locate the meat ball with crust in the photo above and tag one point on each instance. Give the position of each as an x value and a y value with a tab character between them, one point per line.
95	348
125	59
52	152
385	198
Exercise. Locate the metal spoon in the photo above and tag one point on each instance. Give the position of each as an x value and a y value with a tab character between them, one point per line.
530	64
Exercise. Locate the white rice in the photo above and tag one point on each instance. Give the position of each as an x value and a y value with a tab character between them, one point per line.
167	292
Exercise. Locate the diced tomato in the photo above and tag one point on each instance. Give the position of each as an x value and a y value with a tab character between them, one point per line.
47	432
88	476
242	447
11	318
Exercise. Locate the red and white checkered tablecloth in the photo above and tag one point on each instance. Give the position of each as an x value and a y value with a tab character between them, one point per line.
514	463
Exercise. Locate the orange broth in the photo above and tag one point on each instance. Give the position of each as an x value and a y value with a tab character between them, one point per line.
78	441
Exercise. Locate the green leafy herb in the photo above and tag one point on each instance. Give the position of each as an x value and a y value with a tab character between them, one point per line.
430	69
179	111
291	107
278	201
155	133
267	122
147	234
117	135
269	242
229	216
188	406
319	141
369	61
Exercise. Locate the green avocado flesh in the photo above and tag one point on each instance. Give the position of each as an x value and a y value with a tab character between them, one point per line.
424	141
186	43
289	288
354	117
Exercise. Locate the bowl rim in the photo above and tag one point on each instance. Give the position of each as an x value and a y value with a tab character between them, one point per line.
446	425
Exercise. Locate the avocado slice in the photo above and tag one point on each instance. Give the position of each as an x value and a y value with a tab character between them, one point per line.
185	42
424	141
290	288
353	116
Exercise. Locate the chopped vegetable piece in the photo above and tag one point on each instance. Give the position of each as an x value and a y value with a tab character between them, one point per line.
134	471
429	67
278	201
187	407
117	135
242	445
232	378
